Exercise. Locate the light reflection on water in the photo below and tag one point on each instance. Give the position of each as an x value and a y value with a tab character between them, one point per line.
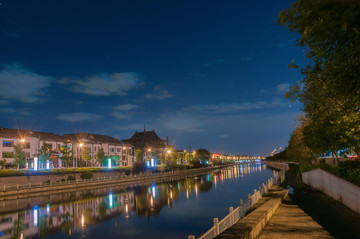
172	209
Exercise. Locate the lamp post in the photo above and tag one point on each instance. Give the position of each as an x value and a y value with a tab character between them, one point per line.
76	159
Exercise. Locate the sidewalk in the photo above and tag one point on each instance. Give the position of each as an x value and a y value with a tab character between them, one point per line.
292	222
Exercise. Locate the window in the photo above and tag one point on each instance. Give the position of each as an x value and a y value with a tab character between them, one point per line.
95	148
26	145
49	145
8	143
27	155
58	146
7	154
118	150
112	150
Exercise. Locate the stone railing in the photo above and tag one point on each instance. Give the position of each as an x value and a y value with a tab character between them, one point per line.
239	212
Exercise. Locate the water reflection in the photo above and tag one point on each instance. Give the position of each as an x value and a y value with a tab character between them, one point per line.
68	217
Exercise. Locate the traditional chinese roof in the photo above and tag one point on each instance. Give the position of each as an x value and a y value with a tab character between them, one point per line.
146	139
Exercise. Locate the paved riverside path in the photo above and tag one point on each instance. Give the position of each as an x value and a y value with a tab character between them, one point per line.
290	221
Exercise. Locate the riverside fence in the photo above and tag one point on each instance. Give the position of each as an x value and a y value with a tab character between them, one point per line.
59	185
239	212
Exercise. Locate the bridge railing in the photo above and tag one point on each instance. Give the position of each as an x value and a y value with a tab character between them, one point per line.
239	212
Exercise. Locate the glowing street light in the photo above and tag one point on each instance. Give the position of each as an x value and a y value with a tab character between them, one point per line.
22	140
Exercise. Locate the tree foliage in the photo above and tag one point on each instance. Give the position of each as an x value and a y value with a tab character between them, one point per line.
100	156
44	153
19	155
297	150
203	154
86	155
66	153
330	90
139	155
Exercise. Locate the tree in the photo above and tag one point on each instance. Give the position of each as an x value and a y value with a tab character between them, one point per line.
139	155
203	154
44	153
297	150
66	153
187	157
19	155
86	156
3	163
116	159
100	156
330	31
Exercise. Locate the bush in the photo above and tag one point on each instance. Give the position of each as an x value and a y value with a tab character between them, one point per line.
70	178
138	166
86	175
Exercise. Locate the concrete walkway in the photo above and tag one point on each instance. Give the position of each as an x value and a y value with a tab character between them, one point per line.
292	222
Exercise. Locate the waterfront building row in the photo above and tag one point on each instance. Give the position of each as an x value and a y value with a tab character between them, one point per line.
32	141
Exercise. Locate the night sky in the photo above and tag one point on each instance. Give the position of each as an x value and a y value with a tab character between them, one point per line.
196	71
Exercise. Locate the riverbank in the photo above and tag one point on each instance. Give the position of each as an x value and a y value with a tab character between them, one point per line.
334	217
40	189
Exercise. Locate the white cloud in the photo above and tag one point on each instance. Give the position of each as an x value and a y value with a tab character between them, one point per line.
120	115
234	107
78	117
158	93
125	107
182	122
4	102
282	88
20	84
104	84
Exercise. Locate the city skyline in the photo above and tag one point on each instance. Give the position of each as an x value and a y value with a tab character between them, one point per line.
199	72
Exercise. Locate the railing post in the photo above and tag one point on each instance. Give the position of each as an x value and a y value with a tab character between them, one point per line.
231	211
104	178
216	225
40	184
191	237
17	186
242	213
29	185
4	187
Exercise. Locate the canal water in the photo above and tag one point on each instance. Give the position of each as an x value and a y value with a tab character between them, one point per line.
168	209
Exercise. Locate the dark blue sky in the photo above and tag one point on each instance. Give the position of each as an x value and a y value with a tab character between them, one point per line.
197	71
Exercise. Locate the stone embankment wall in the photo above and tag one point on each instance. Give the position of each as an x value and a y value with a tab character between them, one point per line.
335	187
13	181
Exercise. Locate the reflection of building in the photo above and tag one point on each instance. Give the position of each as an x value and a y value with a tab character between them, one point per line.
41	221
32	141
232	157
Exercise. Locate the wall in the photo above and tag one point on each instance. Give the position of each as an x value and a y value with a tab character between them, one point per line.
335	187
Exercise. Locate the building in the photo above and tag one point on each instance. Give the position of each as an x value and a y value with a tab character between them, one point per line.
94	142
152	145
32	141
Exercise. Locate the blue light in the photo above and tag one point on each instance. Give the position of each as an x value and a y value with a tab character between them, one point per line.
35	164
47	164
110	200
35	211
153	191
148	163
109	163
